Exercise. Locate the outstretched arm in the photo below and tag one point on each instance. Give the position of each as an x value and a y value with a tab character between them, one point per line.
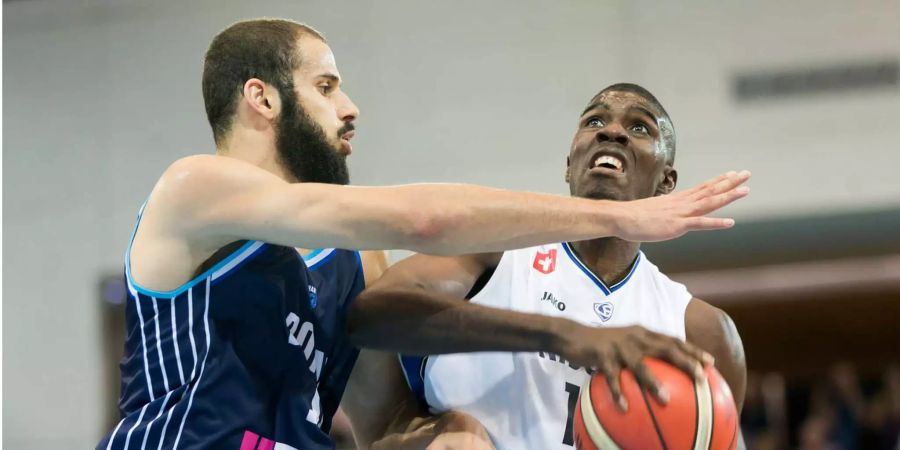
417	308
214	200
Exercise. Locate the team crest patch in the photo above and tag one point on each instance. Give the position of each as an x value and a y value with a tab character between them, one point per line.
545	262
604	310
313	297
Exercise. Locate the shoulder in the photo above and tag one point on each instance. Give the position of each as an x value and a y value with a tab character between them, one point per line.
710	327
199	174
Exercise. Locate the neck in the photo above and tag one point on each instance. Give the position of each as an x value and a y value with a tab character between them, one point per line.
256	147
608	258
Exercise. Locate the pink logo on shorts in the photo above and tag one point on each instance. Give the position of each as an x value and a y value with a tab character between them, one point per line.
252	441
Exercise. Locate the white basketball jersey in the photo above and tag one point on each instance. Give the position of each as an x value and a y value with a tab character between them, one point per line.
527	400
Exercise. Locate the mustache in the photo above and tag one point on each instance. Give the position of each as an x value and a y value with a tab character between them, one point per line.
348	127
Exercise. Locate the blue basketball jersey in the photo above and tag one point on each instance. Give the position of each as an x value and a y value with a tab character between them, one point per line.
249	355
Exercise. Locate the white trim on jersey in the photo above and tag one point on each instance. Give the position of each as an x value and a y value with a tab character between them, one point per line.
175	343
137	305
237	259
162	435
158	415
162	361
318	257
136	423
202	366
191	330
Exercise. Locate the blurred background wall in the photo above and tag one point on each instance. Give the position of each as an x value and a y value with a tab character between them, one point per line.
100	96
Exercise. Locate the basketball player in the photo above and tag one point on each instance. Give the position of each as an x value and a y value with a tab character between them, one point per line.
236	342
624	149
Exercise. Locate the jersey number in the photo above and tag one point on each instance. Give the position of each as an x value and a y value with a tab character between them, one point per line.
574	391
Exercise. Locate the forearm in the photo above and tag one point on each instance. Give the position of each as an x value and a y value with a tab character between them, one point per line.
464	219
414	321
452	219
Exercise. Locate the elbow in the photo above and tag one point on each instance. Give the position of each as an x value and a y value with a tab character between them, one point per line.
429	230
354	323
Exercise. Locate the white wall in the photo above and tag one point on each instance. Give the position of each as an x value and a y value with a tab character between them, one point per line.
99	96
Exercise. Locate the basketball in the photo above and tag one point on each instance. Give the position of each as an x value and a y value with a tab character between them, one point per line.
699	415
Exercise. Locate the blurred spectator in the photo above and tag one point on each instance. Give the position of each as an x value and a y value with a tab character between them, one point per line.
763	420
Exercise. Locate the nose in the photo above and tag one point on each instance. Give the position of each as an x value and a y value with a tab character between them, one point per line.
612	132
347	110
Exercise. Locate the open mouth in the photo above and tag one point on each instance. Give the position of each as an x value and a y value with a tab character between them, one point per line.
609	162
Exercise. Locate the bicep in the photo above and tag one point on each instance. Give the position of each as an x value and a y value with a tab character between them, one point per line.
713	330
454	275
216	198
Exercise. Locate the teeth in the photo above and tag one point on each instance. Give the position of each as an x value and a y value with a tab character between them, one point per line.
612	160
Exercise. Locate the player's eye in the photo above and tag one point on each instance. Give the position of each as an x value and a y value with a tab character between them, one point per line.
325	88
594	122
640	128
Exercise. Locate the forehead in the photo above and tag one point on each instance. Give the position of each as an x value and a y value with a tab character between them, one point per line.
316	57
622	100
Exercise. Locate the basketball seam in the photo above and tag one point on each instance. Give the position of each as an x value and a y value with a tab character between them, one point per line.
662	441
696	414
712	420
703	391
591	422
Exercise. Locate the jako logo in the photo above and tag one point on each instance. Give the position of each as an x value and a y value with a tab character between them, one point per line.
604	310
548	297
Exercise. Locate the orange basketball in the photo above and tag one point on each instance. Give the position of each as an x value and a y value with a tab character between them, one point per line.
699	415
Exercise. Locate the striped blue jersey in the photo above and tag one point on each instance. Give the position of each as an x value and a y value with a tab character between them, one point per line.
249	355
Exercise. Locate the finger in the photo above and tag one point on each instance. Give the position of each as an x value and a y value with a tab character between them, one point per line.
707	223
684	361
728	182
695	352
707	205
646	380
709	183
611	372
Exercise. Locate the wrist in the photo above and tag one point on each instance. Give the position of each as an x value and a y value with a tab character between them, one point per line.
559	334
608	217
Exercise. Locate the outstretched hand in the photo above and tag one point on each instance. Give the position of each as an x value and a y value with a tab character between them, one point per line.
669	216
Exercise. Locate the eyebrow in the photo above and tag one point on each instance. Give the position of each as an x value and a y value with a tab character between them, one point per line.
639	109
330	77
645	111
595	105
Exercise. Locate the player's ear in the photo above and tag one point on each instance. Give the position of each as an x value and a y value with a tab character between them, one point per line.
568	167
262	98
668	180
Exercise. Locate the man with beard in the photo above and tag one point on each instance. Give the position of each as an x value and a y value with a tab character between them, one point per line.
236	341
624	150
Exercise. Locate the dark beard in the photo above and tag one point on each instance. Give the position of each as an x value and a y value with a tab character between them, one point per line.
304	150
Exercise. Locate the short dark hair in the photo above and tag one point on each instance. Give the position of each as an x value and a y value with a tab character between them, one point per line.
257	48
667	130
